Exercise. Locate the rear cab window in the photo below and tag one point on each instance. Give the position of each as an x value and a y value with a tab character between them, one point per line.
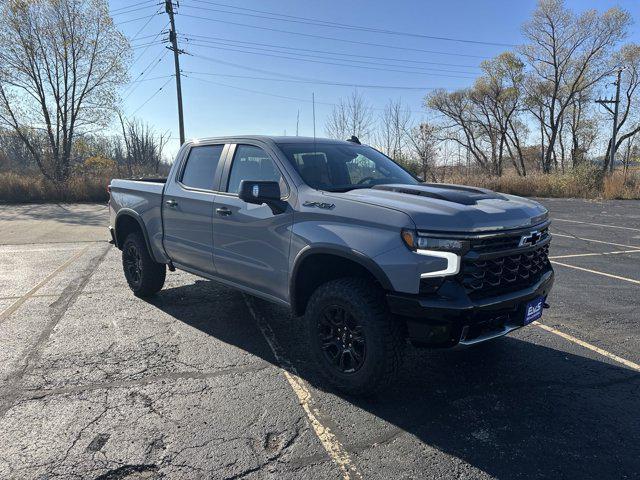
200	168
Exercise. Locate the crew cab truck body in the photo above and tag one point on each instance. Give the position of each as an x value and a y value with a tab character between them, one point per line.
348	240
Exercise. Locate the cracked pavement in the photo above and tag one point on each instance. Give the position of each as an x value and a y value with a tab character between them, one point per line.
95	383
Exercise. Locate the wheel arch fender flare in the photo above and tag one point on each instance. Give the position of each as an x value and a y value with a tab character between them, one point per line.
127	212
340	251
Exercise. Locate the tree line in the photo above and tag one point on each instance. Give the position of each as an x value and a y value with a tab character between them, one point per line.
63	65
533	107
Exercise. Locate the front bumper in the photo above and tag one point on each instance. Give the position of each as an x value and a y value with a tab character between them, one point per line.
451	317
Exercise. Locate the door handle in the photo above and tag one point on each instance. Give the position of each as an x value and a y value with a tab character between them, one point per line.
223	211
171	203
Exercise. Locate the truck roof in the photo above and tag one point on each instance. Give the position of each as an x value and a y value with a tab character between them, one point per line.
271	139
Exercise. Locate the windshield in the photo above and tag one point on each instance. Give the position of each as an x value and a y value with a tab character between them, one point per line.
339	168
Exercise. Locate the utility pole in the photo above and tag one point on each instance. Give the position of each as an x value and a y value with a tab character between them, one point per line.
604	102
173	38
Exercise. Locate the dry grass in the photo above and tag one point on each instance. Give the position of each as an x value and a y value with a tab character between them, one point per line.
17	188
581	183
584	183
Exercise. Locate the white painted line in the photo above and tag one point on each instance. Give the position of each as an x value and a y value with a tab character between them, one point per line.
331	444
596	224
5	314
577	341
575	237
604	274
618	252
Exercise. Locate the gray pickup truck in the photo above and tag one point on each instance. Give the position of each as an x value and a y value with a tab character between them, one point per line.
351	242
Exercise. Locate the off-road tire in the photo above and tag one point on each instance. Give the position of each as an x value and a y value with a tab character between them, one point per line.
383	337
149	275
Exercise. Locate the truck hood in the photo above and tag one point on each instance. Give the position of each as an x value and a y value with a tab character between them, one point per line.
453	208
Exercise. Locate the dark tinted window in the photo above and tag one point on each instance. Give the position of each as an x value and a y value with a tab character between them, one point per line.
340	167
252	163
201	166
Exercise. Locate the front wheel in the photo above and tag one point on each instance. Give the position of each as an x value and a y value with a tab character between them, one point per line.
144	275
356	344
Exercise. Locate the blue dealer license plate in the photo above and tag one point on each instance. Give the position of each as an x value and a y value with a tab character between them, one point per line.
533	310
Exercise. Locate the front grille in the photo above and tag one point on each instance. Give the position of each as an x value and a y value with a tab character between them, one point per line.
482	278
501	242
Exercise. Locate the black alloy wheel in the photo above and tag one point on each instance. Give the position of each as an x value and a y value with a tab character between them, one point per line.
342	339
132	262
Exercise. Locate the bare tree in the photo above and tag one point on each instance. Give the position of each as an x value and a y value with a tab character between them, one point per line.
351	116
483	119
628	59
422	146
391	136
143	147
60	64
567	55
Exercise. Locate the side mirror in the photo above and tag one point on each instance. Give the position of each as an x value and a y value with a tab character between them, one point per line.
259	193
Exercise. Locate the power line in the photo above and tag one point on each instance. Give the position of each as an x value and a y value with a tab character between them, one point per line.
212	44
324	23
210	38
129	11
132	5
134	19
313	82
135	36
154	78
364	67
148	69
270	72
152	43
149	99
309	35
259	92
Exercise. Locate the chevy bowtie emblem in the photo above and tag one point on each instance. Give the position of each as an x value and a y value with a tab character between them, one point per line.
530	240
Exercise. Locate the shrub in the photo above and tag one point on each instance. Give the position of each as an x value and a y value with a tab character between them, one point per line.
19	188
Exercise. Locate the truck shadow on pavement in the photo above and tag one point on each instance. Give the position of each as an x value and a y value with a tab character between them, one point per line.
510	408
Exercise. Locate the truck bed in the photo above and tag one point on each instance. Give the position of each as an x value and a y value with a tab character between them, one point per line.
144	197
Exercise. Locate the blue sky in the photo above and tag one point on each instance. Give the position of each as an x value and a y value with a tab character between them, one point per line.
226	103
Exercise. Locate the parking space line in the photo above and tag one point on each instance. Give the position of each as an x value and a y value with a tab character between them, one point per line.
6	313
575	237
604	274
594	254
577	341
331	444
596	224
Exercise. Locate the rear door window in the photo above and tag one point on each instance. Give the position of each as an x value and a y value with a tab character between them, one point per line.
200	169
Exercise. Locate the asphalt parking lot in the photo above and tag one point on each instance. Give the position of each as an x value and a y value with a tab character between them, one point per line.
204	382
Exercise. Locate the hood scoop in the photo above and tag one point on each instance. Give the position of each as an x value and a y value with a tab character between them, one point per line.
441	191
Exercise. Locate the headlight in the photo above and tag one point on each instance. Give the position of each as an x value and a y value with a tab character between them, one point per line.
416	242
449	249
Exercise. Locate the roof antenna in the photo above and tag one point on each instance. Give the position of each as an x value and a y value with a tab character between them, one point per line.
354	139
313	101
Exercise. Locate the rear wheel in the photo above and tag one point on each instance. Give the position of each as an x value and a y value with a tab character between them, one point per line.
356	344
144	275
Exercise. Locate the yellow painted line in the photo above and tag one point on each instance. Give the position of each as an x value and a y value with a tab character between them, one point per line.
331	444
13	307
596	224
577	341
618	252
604	274
575	237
